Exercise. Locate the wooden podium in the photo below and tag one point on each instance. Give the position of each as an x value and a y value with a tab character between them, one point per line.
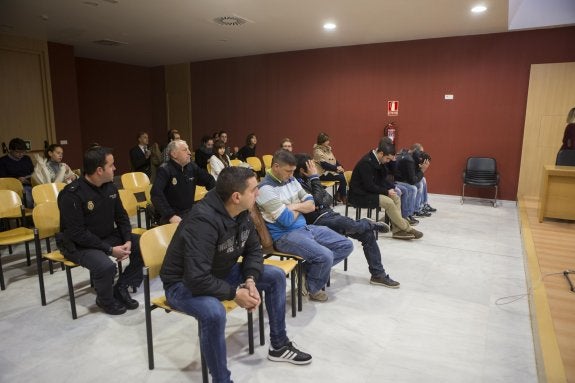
557	198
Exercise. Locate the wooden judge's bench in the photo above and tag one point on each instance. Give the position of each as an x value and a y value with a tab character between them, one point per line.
557	198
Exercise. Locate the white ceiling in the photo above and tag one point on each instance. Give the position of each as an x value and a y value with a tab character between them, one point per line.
159	32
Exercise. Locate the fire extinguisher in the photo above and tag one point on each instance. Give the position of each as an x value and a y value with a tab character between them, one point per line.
390	131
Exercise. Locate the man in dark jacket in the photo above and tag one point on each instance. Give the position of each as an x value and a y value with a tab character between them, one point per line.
201	268
95	226
204	152
175	186
369	187
362	230
140	155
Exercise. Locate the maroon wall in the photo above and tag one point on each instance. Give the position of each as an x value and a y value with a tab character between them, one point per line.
116	102
65	100
344	92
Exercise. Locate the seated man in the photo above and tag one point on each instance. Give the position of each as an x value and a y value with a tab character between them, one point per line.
95	226
175	186
17	164
407	177
422	206
369	186
201	268
204	152
283	202
323	215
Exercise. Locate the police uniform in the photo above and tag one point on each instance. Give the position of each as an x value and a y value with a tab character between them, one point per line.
174	189
92	221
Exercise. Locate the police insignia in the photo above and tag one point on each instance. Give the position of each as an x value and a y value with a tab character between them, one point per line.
90	205
174	181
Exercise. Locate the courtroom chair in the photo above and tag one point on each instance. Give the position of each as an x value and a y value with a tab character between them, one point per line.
565	157
14	184
47	192
153	245
256	165
138	183
267	160
200	193
235	162
11	207
481	172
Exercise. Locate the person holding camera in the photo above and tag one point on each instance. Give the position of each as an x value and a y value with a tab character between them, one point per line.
140	155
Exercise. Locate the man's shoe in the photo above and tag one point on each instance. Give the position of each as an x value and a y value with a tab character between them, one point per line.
381	227
384	280
412	221
417	234
289	353
121	294
115	308
422	213
403	235
320	296
428	208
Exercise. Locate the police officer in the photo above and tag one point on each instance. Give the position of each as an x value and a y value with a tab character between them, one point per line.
94	226
175	185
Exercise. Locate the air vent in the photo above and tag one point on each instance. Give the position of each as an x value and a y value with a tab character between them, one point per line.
231	21
111	43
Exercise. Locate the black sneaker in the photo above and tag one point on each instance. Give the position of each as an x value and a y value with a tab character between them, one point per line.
422	214
412	221
289	353
428	208
379	226
384	280
121	294
114	308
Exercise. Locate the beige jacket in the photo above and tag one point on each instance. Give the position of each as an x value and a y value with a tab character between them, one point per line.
323	153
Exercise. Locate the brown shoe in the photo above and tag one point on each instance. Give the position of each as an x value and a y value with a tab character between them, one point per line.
402	234
320	296
417	234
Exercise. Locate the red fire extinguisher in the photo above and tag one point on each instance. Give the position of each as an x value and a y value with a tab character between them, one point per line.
390	131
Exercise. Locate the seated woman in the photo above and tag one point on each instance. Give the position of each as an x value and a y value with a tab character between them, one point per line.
249	150
328	167
51	168
219	160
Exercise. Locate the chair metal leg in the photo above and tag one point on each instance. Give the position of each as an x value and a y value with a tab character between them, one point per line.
71	292
495	198
202	359
251	332
148	310
28	260
40	272
293	293
299	285
2	285
261	320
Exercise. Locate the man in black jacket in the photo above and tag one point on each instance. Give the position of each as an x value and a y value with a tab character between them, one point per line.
201	268
362	230
175	185
369	187
140	155
95	226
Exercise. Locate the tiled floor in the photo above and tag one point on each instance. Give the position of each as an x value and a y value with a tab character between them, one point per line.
442	325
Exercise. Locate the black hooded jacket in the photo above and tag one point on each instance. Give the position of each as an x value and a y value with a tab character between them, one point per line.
205	247
368	181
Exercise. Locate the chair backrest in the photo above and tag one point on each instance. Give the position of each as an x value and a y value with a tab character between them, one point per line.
565	157
263	232
47	192
200	192
129	202
14	184
235	162
135	181
481	170
267	158
47	218
255	163
10	204
153	245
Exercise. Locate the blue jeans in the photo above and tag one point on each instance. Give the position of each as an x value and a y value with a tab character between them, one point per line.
408	198
363	231
321	248
211	316
421	199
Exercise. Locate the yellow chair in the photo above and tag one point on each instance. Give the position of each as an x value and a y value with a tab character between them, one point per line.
47	192
153	245
47	224
139	184
255	163
14	184
201	192
235	162
267	159
11	207
131	206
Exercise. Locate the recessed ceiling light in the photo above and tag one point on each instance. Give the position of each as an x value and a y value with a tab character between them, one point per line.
479	9
329	26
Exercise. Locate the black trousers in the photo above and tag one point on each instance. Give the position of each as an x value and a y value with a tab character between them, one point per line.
103	269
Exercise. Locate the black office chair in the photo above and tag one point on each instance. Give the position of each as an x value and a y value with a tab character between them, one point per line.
566	157
481	172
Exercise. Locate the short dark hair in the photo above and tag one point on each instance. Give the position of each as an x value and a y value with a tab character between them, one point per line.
51	148
249	138
386	147
17	144
206	138
283	157
322	137
301	164
233	179
171	134
140	134
95	158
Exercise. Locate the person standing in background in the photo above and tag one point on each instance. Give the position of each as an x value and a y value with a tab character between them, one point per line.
569	134
140	155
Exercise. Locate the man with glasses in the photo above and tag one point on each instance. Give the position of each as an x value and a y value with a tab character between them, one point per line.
17	164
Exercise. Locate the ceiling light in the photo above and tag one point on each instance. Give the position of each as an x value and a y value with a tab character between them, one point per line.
329	26
479	9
